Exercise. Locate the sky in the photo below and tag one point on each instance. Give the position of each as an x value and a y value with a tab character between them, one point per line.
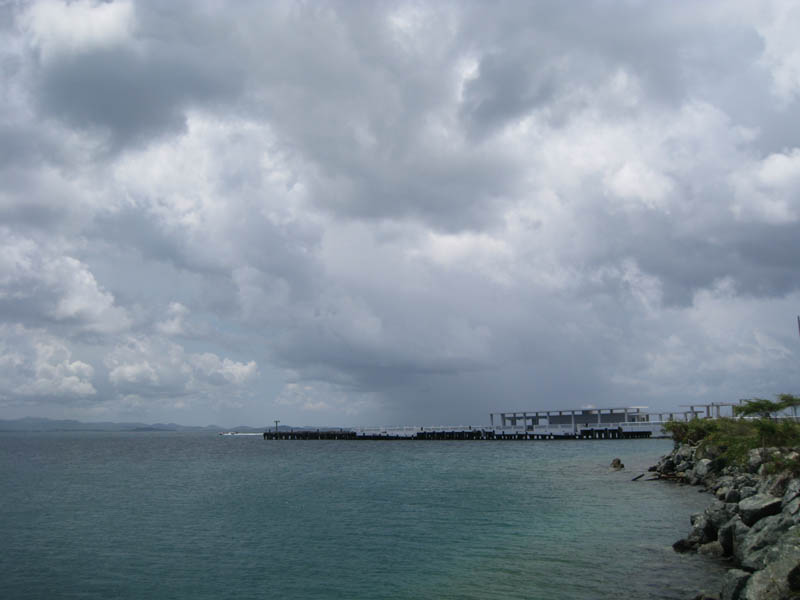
395	213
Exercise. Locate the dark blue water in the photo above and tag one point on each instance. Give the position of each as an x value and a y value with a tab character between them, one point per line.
111	515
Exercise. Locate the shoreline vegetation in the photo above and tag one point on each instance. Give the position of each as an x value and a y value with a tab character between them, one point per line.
752	468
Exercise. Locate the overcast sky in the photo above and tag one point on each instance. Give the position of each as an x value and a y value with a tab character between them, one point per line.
395	212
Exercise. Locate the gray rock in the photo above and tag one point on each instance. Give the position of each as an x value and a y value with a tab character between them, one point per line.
780	578
702	467
793	509
723	481
745	480
718	513
792	491
685	452
702	531
668	466
707	451
722	492
776	485
731	535
683	545
733	496
753	508
747	491
733	584
752	551
787	545
711	549
755	458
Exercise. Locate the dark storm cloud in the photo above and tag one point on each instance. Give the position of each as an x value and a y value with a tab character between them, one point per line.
129	96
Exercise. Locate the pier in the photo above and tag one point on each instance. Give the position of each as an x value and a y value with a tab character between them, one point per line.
458	434
619	423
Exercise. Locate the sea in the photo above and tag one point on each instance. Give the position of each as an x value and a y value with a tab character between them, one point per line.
198	515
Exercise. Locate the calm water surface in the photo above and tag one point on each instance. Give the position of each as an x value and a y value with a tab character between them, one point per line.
169	515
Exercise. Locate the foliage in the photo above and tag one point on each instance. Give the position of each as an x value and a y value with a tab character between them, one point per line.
783	463
690	432
758	406
789	401
734	438
766	408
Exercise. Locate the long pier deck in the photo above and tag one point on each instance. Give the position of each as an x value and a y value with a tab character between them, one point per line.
487	434
619	423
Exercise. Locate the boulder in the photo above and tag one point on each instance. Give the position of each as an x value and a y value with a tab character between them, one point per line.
733	584
747	491
733	496
780	578
703	531
685	452
731	535
793	509
707	451
719	513
755	458
745	479
756	507
702	467
752	551
683	545
776	485
711	549
792	491
617	464
724	481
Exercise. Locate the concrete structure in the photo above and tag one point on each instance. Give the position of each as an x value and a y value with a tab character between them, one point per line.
585	417
579	423
714	410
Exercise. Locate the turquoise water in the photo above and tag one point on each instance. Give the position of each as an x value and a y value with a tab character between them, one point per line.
166	515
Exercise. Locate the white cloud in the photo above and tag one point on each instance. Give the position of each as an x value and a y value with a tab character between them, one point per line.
211	368
43	284
636	182
769	190
778	24
40	366
174	325
56	27
156	366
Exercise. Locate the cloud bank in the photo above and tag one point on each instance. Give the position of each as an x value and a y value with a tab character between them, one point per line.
399	212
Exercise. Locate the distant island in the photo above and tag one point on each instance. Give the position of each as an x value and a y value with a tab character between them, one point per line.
42	424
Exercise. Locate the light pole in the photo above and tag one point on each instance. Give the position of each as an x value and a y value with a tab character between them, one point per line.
276	428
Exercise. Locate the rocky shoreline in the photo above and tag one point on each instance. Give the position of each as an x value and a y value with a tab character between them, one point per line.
754	523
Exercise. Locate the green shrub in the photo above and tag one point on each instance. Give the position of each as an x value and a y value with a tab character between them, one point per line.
691	432
734	438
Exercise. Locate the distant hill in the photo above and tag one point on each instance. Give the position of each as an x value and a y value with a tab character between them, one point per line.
42	424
